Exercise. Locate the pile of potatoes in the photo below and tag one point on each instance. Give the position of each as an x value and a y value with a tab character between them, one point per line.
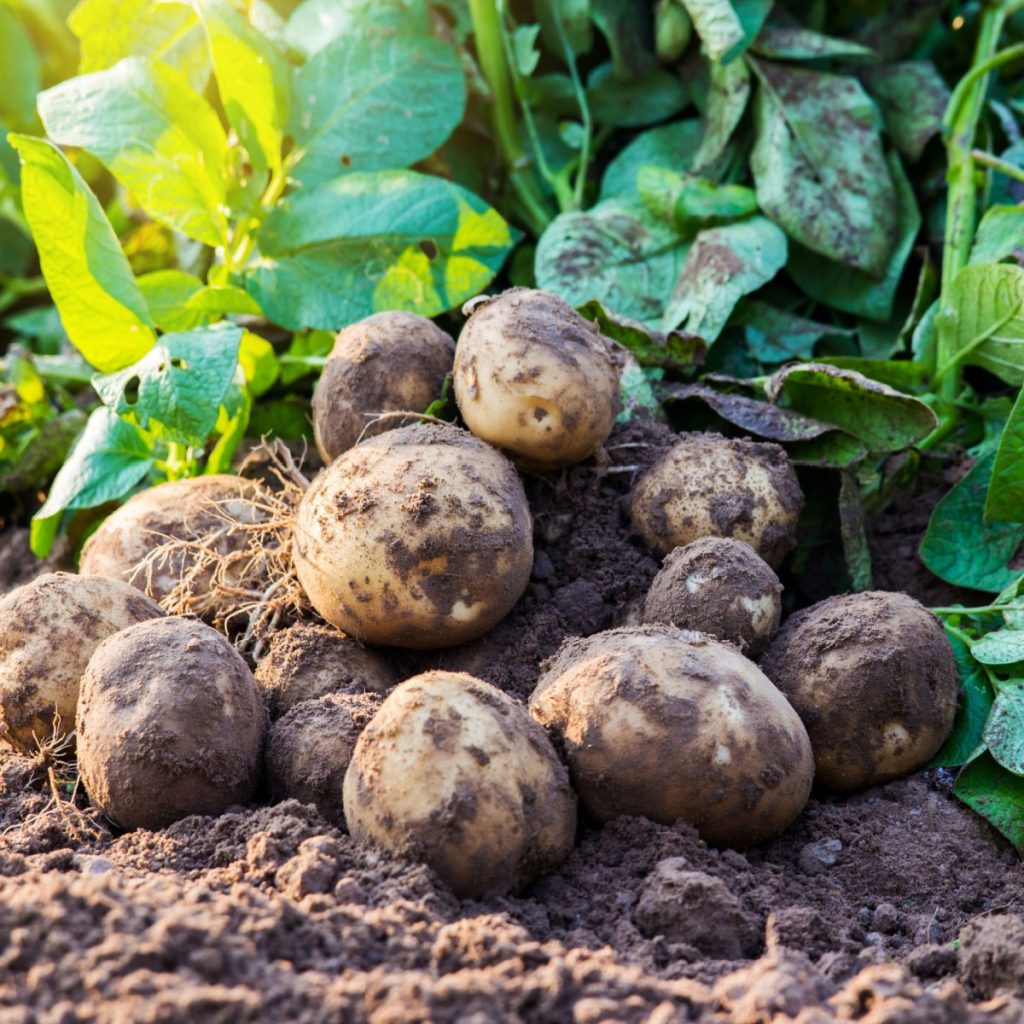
418	535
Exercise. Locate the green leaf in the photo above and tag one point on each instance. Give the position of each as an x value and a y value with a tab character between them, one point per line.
727	29
669	145
89	279
912	97
1000	235
160	139
287	418
377	241
972	710
306	353
636	101
996	794
794	42
727	101
851	529
258	363
1000	647
178	301
1005	500
317	23
901	374
20	71
776	335
649	347
636	392
524	49
627	35
565	22
819	167
690	202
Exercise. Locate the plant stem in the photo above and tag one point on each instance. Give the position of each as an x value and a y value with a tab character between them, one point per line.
581	100
980	611
244	240
994	163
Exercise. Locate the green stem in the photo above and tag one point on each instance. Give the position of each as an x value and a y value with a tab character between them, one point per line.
994	163
581	101
979	611
244	241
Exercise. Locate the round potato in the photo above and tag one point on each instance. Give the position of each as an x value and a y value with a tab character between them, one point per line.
170	723
419	538
388	362
535	379
454	773
706	485
718	586
49	629
874	679
674	725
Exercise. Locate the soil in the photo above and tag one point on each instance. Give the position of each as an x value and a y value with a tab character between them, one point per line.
896	904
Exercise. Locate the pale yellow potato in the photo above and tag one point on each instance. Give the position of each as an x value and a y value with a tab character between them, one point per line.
707	485
49	629
874	679
676	726
419	538
388	362
454	773
535	379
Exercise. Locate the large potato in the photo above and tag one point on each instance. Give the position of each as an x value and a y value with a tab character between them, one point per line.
454	773
170	723
873	677
49	629
673	725
420	538
387	362
706	485
535	379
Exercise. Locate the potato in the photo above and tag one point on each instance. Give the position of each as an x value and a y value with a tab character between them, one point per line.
309	750
674	725
419	538
170	723
708	486
454	773
535	379
387	362
873	677
49	629
718	586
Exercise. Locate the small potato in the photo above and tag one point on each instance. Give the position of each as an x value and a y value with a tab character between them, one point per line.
419	538
535	379
673	725
706	485
170	723
388	362
454	773
874	679
718	586
49	629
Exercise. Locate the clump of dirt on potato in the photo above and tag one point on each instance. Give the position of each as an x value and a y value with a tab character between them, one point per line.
674	725
534	378
170	723
420	537
874	680
453	773
718	586
388	362
309	750
49	629
707	485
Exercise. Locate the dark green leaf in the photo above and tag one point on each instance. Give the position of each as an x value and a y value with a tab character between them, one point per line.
897	25
851	528
912	97
997	795
16	249
565	23
287	418
728	96
676	349
1000	235
972	710
635	102
627	35
775	335
794	42
669	145
1005	499
35	467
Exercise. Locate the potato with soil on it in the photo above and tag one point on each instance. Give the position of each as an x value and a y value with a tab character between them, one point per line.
309	750
419	538
707	485
676	726
170	723
49	629
535	379
874	679
388	362
454	773
718	586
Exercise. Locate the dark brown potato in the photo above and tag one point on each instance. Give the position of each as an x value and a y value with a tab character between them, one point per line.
388	362
721	587
873	677
170	723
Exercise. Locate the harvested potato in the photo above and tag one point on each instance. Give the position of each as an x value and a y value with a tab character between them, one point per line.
674	725
454	773
170	723
309	750
706	485
387	362
49	629
535	379
420	538
873	677
718	586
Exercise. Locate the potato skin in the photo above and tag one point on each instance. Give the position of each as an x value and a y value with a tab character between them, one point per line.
49	629
874	679
419	538
674	725
387	362
706	485
454	773
170	723
535	379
